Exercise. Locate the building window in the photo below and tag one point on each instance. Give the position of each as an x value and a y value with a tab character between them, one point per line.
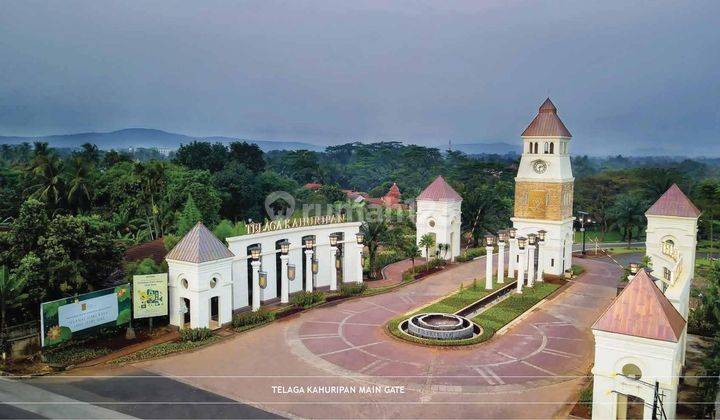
667	274
517	258
552	262
668	247
632	371
431	223
552	148
547	148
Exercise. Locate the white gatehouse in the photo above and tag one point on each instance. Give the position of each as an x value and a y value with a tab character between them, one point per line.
208	280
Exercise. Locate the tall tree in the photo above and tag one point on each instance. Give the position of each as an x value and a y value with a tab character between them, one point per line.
627	214
374	233
189	216
11	296
247	154
427	241
79	193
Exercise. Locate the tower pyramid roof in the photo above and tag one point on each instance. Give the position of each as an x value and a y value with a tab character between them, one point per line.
642	310
394	191
439	190
199	246
673	203
547	123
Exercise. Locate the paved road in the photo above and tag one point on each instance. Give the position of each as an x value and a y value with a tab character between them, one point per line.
123	393
316	364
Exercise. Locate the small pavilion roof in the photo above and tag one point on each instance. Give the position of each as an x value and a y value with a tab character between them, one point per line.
199	246
547	123
642	310
673	203
439	190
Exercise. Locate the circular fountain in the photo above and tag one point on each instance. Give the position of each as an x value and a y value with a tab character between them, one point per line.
439	326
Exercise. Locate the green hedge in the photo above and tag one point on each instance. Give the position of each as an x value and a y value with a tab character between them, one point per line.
352	289
163	350
306	299
73	355
470	254
195	334
245	319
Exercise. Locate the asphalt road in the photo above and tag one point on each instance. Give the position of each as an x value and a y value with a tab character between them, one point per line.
133	394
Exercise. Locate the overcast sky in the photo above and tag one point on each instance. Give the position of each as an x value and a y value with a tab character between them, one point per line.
622	74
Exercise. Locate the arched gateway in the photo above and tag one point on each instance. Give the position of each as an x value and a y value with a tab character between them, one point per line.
209	281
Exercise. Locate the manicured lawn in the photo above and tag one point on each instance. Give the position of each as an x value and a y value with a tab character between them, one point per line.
501	314
612	236
491	320
625	250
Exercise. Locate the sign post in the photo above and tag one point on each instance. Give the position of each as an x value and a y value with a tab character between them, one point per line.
150	296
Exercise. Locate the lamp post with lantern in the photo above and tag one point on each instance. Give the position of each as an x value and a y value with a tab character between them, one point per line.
521	241
512	253
502	237
531	242
309	244
489	246
333	257
541	254
284	285
634	268
255	255
360	237
583	218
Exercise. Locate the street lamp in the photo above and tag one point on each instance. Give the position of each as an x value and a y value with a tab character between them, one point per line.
634	267
360	237
532	239
255	252
309	243
522	241
333	240
583	218
512	232
541	235
502	236
541	254
284	247
489	240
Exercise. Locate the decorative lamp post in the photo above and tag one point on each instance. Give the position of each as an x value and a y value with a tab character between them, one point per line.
532	242
309	244
583	218
360	237
512	253
255	255
634	268
502	238
333	261
521	241
489	246
541	254
284	272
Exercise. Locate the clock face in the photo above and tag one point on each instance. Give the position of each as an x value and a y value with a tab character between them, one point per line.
539	166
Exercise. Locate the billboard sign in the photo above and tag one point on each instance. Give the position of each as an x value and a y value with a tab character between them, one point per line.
150	295
62	318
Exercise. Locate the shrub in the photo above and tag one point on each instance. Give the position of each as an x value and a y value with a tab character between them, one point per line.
195	334
169	241
385	258
306	299
470	254
586	397
352	289
75	354
252	318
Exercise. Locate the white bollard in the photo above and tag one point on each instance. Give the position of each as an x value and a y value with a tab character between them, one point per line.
501	263
488	267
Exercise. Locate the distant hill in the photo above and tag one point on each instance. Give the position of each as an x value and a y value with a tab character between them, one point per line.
147	138
488	148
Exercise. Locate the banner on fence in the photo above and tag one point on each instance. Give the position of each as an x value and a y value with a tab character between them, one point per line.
61	318
150	295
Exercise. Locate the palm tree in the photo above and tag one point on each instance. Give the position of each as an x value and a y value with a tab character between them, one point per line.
427	241
375	234
152	179
46	172
80	188
628	213
11	296
412	251
486	210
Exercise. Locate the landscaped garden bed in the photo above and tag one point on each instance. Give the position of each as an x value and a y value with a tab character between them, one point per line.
490	320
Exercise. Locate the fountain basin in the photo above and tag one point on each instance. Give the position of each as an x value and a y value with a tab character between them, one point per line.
439	326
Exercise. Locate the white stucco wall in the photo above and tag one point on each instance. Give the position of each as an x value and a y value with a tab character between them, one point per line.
446	216
556	254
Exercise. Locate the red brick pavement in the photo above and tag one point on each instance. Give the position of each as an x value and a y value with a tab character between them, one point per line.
532	371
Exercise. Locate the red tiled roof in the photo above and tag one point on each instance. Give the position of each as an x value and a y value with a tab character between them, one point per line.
313	186
673	203
198	246
439	190
546	123
394	191
642	310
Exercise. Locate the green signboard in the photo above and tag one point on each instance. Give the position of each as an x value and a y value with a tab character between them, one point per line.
150	295
62	318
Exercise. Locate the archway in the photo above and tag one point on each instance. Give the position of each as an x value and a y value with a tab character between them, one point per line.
630	407
214	312
186	311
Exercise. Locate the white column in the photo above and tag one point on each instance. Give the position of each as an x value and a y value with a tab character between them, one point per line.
531	265
501	262
488	267
308	270
521	270
511	258
284	286
255	285
359	278
333	269
541	262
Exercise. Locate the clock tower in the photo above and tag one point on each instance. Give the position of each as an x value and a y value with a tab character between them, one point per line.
544	188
